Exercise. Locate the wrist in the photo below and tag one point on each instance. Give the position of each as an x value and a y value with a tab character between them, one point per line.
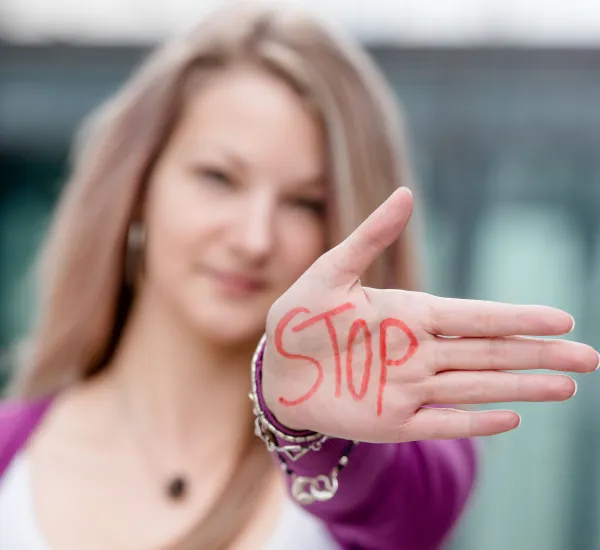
292	444
267	399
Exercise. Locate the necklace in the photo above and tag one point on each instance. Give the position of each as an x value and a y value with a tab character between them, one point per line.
177	486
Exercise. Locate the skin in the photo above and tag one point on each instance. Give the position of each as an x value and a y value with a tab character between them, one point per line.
433	351
234	215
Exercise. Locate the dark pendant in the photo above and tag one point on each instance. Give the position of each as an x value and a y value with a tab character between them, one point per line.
177	488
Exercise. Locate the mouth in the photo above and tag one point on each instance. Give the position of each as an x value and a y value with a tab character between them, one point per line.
236	283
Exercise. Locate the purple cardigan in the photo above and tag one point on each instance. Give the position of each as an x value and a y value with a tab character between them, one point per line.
404	496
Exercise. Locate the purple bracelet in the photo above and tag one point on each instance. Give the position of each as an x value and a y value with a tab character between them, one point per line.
257	380
292	443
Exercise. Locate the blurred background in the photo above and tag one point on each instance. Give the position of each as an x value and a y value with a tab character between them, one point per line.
502	102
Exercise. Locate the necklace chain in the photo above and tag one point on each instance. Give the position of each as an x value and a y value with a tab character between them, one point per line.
177	485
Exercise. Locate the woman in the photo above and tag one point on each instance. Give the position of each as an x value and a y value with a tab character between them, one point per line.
218	193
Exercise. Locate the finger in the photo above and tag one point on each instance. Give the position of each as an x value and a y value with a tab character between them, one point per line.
456	317
348	260
497	387
513	353
436	423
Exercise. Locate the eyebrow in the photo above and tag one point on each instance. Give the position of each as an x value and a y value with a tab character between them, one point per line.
312	182
237	160
316	181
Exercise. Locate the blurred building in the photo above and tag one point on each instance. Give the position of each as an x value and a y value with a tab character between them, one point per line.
503	106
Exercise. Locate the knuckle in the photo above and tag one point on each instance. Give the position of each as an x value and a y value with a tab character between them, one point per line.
542	353
520	387
473	393
441	427
497	352
546	349
484	323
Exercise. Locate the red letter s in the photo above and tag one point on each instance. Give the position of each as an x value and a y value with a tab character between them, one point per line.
281	326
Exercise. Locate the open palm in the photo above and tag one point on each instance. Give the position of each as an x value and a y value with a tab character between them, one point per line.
387	365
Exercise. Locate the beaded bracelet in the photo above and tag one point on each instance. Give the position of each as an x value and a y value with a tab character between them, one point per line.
304	489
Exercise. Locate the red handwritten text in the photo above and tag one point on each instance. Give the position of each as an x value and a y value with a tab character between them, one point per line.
357	326
334	341
281	326
364	386
385	361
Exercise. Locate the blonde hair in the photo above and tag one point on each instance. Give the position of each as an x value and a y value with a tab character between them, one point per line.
82	305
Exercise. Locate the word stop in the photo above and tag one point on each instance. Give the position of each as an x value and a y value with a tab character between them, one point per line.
358	326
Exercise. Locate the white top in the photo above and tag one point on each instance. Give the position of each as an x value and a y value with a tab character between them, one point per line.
295	530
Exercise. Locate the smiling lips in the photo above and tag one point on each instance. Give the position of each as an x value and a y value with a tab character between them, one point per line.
233	283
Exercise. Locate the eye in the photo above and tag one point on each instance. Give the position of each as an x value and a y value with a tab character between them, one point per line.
217	175
212	175
315	206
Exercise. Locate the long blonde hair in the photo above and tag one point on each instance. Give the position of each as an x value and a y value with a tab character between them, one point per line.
83	305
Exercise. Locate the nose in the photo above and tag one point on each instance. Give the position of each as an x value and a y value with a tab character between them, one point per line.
254	237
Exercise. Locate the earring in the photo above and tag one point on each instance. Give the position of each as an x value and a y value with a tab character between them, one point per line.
136	243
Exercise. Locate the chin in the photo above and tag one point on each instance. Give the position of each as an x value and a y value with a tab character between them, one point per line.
230	330
233	337
225	321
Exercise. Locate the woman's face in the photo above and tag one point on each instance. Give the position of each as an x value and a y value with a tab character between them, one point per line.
235	206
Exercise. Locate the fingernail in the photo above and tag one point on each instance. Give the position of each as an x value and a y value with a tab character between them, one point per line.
575	389
519	421
598	367
406	189
573	326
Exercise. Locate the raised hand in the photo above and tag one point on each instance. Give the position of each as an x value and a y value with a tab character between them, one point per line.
366	364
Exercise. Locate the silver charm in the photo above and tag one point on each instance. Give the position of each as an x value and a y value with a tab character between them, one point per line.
321	488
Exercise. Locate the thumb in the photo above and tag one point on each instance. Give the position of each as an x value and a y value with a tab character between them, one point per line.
348	260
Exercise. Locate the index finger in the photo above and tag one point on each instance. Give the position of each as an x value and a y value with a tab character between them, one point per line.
485	319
